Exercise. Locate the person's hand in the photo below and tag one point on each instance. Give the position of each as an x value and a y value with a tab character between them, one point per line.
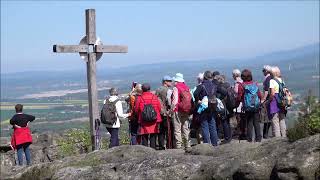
130	114
16	126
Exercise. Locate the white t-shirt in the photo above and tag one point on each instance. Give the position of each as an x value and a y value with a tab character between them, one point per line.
274	85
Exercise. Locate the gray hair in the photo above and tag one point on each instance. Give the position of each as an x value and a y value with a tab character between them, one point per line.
220	78
275	71
113	92
236	73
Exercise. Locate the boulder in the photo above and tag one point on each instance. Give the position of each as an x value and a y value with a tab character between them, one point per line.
272	159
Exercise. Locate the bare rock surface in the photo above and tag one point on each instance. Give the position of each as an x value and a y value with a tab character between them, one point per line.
271	159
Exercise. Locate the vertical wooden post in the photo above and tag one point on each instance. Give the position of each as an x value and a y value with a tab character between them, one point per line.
92	96
91	74
91	26
91	49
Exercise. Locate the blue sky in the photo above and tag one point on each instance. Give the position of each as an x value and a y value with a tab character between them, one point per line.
158	31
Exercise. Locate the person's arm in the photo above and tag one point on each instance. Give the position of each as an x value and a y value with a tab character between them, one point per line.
174	98
196	94
13	121
30	118
260	95
272	91
158	105
265	95
136	105
240	93
120	110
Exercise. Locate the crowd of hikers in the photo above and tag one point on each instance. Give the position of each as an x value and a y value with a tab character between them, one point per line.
173	114
169	117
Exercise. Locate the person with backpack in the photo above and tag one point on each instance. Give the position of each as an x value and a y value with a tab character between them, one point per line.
181	107
250	96
133	120
227	96
166	125
207	89
277	109
239	114
148	110
110	116
21	137
266	85
195	125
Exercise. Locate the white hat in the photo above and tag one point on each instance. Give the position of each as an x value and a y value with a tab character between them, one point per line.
200	76
178	77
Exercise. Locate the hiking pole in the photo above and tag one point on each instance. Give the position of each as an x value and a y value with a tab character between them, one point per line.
169	133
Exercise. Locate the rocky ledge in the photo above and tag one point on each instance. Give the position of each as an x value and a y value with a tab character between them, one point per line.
271	159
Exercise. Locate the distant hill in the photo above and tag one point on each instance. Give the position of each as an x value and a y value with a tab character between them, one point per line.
303	63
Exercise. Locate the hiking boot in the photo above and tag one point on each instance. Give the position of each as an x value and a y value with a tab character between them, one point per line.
225	141
242	137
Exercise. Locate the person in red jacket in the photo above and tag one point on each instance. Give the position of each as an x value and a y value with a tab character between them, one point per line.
21	137
148	130
252	116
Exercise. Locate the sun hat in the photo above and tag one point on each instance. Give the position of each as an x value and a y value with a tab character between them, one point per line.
178	77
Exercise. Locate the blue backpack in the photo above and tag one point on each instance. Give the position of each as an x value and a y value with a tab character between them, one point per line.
251	98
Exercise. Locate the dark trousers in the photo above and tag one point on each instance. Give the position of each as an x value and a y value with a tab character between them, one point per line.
133	126
242	124
266	127
253	120
152	138
23	149
226	129
114	139
166	133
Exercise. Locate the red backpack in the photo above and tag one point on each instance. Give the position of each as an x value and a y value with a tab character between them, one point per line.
185	101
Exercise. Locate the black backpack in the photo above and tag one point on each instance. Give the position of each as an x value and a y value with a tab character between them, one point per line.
149	114
212	99
231	99
109	112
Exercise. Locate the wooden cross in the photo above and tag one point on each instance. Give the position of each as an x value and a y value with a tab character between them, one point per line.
92	51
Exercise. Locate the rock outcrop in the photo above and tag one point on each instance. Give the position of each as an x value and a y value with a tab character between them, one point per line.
271	159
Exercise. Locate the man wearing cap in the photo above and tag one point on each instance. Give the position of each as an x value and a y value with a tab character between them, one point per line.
166	126
266	84
180	118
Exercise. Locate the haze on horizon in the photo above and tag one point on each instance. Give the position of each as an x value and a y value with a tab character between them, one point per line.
154	31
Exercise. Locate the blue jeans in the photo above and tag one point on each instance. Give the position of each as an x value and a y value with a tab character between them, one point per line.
24	148
209	130
226	129
114	139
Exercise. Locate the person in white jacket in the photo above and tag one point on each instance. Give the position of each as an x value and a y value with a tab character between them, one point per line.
114	129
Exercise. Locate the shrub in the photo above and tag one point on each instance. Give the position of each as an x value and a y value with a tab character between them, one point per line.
308	122
74	141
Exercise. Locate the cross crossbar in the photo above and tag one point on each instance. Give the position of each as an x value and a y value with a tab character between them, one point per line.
70	48
111	49
92	51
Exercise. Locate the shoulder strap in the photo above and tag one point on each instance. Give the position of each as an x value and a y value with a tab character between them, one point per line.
115	102
278	81
205	89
